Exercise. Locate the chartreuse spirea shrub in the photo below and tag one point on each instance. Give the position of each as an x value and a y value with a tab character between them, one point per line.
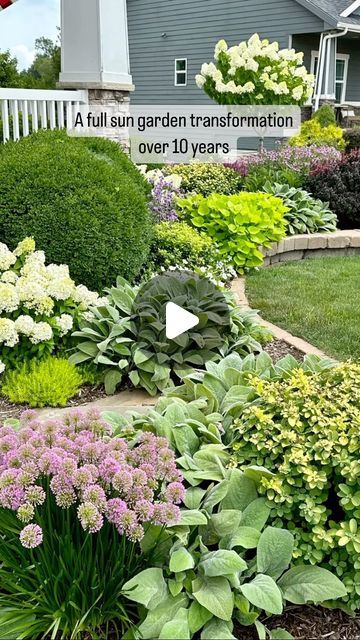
176	245
256	72
339	185
239	224
312	133
80	198
206	178
305	214
121	348
39	304
304	428
78	509
46	383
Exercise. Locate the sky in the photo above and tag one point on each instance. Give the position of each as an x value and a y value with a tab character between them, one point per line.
25	21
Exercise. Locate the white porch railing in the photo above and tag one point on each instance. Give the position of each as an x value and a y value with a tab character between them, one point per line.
23	111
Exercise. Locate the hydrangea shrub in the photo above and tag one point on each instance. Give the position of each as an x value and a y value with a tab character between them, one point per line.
304	428
256	72
39	304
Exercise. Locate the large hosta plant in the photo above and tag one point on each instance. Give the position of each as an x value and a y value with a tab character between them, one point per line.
126	338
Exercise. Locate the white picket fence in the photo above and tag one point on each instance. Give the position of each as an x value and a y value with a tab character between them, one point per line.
23	111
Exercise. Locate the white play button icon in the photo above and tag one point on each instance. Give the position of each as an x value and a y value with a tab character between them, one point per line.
178	320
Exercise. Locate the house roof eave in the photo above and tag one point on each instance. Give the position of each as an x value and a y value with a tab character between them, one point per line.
320	13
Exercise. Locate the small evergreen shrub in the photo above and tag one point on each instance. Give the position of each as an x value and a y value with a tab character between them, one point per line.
176	244
80	198
49	383
325	115
352	139
340	186
205	179
305	214
239	224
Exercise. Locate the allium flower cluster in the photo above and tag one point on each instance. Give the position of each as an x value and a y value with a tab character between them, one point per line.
99	477
303	160
256	72
38	303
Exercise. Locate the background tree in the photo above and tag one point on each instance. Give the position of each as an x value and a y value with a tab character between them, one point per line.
9	75
44	71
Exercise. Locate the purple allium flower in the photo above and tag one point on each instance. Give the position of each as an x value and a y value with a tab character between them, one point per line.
78	462
31	536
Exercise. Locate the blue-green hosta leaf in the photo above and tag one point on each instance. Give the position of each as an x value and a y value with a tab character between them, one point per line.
274	551
245	537
256	514
226	521
241	492
303	584
215	595
264	593
191	517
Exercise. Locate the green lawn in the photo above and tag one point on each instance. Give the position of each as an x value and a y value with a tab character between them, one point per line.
317	299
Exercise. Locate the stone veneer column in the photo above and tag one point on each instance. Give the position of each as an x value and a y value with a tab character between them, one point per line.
95	51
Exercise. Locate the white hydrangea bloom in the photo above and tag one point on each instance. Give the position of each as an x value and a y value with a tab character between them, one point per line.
8	333
7	258
9	299
85	297
221	47
2	367
25	246
65	323
24	325
297	93
9	276
42	332
200	80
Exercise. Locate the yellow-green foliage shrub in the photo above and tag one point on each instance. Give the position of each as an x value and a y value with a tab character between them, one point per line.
305	430
239	224
206	178
51	382
312	133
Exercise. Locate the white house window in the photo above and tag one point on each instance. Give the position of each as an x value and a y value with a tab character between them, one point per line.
180	72
342	66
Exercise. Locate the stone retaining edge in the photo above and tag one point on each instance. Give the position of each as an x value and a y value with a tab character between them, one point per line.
316	245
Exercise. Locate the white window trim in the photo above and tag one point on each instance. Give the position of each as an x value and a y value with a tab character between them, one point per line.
347	12
339	56
185	72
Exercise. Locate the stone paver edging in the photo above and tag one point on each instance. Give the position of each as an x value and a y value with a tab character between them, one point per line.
315	245
238	288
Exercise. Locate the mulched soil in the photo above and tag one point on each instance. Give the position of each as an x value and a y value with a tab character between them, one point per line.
278	349
309	623
86	394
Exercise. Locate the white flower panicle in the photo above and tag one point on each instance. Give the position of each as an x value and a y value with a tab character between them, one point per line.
34	295
256	72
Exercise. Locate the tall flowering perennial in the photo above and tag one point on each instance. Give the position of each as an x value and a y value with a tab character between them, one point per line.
165	190
256	72
39	304
97	477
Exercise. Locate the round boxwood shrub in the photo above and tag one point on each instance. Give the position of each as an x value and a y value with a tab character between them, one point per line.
340	186
81	199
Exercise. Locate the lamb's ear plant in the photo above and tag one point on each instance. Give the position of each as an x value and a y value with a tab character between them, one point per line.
226	567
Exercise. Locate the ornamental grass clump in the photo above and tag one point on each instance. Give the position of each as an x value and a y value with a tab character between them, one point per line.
75	504
256	72
39	305
304	428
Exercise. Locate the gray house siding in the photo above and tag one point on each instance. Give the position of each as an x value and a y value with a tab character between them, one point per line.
192	28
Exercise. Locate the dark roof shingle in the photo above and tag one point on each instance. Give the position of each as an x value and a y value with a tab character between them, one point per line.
333	9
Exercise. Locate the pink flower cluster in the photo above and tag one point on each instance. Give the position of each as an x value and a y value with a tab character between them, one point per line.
105	478
300	159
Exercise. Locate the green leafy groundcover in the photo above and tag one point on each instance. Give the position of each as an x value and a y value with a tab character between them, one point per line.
123	349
